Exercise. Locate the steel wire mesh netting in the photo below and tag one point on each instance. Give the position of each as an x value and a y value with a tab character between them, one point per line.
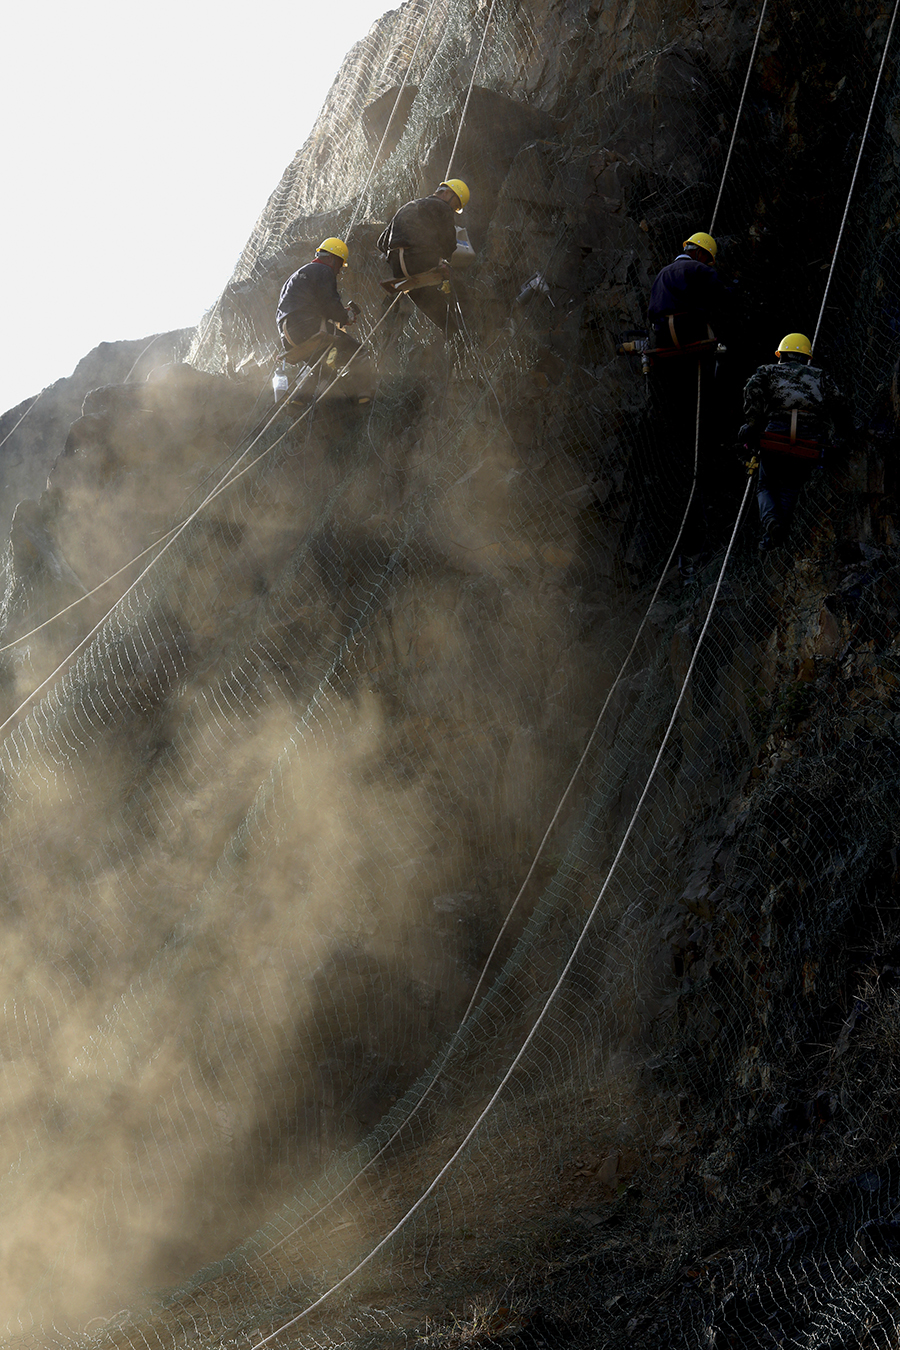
260	837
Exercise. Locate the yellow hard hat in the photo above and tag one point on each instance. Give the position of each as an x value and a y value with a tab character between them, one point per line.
794	342
337	247
458	186
702	241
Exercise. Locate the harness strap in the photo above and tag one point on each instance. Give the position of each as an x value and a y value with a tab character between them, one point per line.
295	353
323	328
793	441
682	314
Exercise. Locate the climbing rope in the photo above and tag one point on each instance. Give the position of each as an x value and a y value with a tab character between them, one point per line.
487	24
255	434
486	965
227	481
24	415
607	879
387	128
859	156
173	534
454	1041
737	120
554	992
220	487
139	358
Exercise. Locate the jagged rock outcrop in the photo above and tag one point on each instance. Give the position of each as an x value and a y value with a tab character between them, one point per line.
33	432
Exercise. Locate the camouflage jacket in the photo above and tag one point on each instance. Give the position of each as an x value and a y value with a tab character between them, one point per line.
773	392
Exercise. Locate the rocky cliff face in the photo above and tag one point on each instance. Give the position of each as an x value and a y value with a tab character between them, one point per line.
33	434
337	896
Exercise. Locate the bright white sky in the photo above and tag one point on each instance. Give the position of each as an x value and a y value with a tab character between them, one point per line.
139	144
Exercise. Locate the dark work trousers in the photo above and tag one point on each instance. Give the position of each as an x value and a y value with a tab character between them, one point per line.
675	382
777	488
359	379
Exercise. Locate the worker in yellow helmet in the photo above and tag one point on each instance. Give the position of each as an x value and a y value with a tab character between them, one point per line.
793	410
688	300
705	245
421	237
309	298
688	312
311	317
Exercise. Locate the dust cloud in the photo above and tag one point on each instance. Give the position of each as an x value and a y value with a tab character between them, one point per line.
258	838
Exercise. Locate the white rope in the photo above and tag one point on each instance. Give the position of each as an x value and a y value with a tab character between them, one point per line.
487	24
391	118
551	998
170	537
152	343
562	801
629	829
887	44
584	755
228	480
451	1046
223	482
606	702
24	415
8	646
737	120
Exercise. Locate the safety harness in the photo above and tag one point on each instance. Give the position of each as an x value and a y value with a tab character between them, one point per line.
698	347
296	354
789	443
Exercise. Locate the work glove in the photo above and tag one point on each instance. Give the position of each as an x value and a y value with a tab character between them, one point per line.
353	310
747	456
